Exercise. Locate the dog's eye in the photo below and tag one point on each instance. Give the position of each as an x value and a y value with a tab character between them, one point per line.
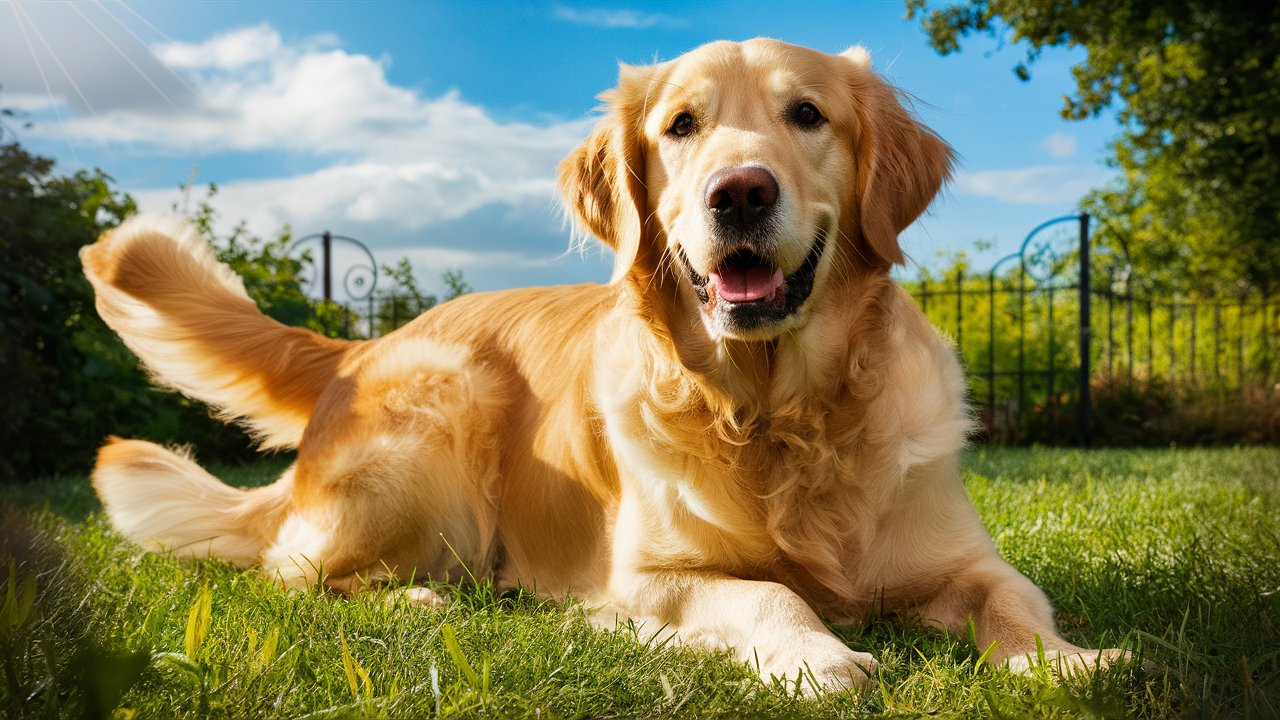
682	126
806	114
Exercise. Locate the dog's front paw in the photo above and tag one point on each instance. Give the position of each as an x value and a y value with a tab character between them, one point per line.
854	670
826	665
419	596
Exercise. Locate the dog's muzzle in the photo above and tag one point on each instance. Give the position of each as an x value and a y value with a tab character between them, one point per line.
749	292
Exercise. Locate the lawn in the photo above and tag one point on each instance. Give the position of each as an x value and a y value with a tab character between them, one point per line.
1174	552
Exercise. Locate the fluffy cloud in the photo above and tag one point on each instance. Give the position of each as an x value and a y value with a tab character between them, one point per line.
1052	185
404	196
253	92
400	168
231	51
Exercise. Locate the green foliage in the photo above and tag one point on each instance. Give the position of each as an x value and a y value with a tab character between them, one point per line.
1174	553
455	283
405	300
1196	87
67	380
1163	369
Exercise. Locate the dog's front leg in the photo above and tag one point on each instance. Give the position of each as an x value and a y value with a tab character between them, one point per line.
1010	616
764	624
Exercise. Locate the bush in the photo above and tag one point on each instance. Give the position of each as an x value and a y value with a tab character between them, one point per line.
1155	413
68	380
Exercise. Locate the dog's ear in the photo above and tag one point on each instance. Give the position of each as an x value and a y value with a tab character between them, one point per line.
602	180
901	163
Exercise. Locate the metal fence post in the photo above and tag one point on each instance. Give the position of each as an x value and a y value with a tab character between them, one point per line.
991	352
327	244
1083	407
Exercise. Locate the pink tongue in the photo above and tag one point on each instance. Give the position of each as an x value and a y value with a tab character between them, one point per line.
746	284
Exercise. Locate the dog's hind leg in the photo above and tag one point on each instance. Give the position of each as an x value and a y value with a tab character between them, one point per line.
394	476
160	498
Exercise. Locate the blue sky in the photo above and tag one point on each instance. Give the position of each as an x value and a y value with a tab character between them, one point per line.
432	130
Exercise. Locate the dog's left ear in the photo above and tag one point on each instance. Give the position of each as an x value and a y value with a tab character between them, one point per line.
602	180
901	163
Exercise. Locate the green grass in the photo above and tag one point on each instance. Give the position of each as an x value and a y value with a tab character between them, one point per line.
1176	553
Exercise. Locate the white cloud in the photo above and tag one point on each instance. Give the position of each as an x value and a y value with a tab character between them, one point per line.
1040	185
322	102
1060	145
411	212
402	196
230	51
442	257
390	161
599	17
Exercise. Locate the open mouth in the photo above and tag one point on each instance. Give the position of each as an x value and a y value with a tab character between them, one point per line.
749	291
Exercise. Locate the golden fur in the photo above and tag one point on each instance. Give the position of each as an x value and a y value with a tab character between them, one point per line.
646	445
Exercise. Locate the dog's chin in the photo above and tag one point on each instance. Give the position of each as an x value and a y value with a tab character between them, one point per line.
747	297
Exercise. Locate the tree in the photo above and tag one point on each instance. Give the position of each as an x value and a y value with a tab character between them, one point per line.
60	365
403	301
456	284
68	381
1195	85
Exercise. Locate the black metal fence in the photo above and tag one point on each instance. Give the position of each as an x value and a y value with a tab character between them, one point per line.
1038	351
1046	362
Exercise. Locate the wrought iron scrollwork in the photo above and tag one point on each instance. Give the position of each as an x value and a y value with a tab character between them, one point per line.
358	280
1039	257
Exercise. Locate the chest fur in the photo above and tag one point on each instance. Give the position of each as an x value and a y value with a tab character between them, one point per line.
808	493
797	486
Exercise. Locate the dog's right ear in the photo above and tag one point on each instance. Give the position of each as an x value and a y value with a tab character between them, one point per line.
602	180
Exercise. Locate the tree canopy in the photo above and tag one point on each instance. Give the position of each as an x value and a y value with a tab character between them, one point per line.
1195	85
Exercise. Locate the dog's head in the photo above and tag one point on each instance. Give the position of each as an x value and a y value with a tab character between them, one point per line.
758	174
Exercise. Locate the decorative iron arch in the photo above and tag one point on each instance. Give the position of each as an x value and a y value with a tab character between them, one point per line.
358	281
1041	260
1040	263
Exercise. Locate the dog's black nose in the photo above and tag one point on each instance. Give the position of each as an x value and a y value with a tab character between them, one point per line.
741	197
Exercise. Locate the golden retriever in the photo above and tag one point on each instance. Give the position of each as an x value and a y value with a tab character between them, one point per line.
751	427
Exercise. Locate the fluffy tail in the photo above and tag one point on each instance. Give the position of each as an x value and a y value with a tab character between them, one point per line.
195	328
165	502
